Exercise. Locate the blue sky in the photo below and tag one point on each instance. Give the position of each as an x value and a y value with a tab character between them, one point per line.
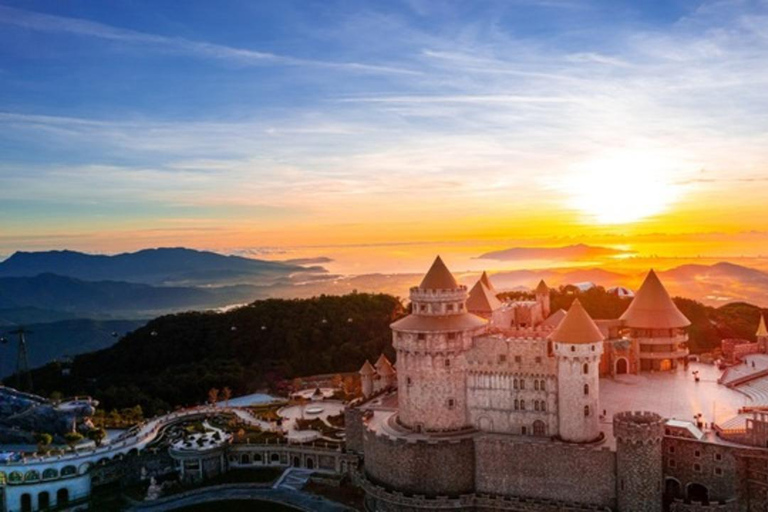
247	123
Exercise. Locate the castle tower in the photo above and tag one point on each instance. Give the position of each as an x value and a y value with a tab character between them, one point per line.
639	471
762	336
430	345
542	297
578	345
386	374
366	379
658	327
487	282
482	301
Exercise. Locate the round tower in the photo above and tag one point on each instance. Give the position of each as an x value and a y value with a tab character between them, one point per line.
366	379
430	345
657	326
542	297
639	472
578	345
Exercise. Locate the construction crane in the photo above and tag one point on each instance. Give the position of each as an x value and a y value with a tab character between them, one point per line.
23	375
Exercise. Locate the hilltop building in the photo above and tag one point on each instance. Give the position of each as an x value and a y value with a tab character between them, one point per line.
500	406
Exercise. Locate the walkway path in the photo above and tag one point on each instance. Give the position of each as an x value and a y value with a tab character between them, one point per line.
297	499
293	479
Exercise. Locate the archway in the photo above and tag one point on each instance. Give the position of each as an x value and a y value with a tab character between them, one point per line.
62	497
697	492
274	457
672	488
310	463
622	366
26	502
245	459
539	428
43	500
665	365
296	462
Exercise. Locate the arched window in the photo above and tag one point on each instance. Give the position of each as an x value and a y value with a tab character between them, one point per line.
32	476
522	405
536	385
586	389
543	385
573	349
543	406
517	404
515	383
68	471
50	474
586	410
535	405
522	383
586	368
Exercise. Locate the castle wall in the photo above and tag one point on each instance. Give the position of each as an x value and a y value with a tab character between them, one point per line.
353	429
435	468
693	462
547	470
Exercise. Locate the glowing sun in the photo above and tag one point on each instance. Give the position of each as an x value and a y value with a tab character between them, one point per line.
622	188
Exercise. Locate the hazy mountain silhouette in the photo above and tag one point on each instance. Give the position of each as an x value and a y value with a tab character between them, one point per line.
570	252
162	266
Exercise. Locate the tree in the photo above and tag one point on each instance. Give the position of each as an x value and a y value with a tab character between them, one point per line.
44	441
337	381
226	394
213	396
72	438
297	385
97	435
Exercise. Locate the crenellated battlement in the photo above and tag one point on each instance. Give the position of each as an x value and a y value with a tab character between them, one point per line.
638	427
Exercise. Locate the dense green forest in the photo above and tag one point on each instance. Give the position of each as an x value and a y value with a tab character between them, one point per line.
175	359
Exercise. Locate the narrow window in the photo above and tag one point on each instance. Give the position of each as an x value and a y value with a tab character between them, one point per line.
697	468
586	410
422	337
573	349
524	430
543	406
586	389
535	405
502	358
450	308
447	363
522	405
543	385
522	383
451	335
518	359
536	385
538	359
719	471
517	404
451	403
515	384
586	368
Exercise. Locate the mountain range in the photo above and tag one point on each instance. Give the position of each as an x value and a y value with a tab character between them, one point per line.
578	252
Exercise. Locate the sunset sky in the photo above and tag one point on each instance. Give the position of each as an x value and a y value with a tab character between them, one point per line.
235	124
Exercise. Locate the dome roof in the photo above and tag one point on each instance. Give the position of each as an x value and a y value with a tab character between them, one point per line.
438	277
652	308
761	329
481	299
487	281
577	327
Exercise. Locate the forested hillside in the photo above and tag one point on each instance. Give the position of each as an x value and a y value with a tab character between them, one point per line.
175	359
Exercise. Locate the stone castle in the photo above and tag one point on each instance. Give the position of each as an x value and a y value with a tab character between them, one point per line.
498	406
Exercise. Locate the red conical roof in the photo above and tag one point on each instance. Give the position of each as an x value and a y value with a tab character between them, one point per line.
761	329
577	327
652	307
438	277
487	281
481	299
383	366
367	368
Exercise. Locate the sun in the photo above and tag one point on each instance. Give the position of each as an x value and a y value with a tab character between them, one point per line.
622	187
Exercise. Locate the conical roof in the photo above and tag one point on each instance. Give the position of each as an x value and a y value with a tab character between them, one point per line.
652	308
761	329
554	319
542	287
367	368
487	281
438	277
577	327
383	366
481	299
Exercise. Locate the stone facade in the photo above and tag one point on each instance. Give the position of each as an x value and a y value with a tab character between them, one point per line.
638	461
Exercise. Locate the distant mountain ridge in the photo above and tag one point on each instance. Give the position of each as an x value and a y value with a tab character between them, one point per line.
569	252
163	266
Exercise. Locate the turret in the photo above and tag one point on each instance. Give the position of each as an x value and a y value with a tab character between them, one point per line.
542	297
430	344
386	376
482	301
578	345
762	336
366	378
639	471
657	326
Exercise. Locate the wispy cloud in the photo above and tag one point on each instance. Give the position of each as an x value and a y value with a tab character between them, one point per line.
243	56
